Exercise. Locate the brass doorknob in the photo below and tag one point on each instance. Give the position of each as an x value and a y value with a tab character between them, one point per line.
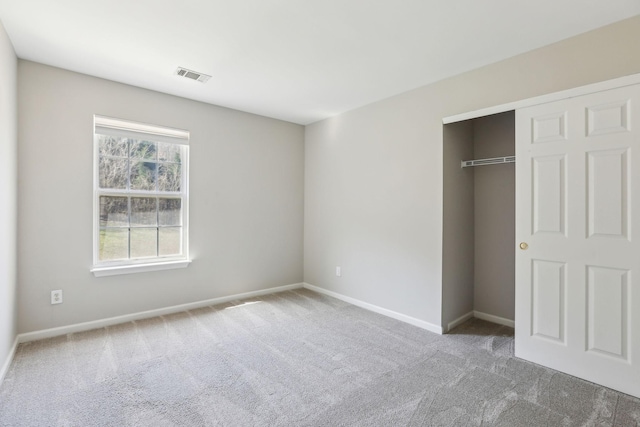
524	246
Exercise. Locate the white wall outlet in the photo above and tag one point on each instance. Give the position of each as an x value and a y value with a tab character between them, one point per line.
56	297
338	271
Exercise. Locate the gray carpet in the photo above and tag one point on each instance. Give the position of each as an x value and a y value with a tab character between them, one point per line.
294	359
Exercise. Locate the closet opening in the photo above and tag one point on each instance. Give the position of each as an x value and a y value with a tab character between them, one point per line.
479	221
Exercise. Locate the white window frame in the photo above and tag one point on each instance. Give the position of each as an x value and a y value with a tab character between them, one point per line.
118	127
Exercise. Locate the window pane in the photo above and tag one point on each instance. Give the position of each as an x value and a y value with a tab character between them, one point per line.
170	241
114	244
169	177
144	211
170	212
143	150
113	146
140	193
144	242
113	211
168	152
113	173
143	175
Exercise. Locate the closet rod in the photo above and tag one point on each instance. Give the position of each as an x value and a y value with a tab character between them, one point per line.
491	161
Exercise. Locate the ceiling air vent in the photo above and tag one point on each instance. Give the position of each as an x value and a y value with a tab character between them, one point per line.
193	75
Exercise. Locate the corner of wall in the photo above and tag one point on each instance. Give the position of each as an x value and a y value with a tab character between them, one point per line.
8	207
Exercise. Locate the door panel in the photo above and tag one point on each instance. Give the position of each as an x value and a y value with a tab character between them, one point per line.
549	127
576	174
549	201
607	183
607	316
608	118
548	305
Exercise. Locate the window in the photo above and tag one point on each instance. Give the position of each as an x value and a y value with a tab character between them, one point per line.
140	197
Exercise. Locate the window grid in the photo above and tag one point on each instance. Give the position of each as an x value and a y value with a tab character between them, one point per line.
157	227
156	193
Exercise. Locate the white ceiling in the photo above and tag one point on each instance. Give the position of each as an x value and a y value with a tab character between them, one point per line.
295	60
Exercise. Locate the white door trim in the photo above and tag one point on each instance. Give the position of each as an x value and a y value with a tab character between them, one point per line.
555	96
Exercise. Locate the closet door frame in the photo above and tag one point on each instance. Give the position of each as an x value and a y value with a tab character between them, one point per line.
630	80
617	83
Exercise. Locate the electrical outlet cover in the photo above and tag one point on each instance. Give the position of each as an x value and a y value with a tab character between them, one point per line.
56	297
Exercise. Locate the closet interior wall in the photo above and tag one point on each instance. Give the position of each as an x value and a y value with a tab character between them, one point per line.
479	220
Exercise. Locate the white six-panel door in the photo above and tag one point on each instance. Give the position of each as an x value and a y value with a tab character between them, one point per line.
578	237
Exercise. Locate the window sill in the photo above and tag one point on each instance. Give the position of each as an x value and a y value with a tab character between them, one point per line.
138	268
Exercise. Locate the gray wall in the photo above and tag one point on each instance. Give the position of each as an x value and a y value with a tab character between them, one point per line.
246	200
373	183
374	175
458	252
495	203
8	186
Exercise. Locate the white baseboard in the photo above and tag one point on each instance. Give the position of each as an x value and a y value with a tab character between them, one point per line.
96	324
9	359
389	313
459	320
494	319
